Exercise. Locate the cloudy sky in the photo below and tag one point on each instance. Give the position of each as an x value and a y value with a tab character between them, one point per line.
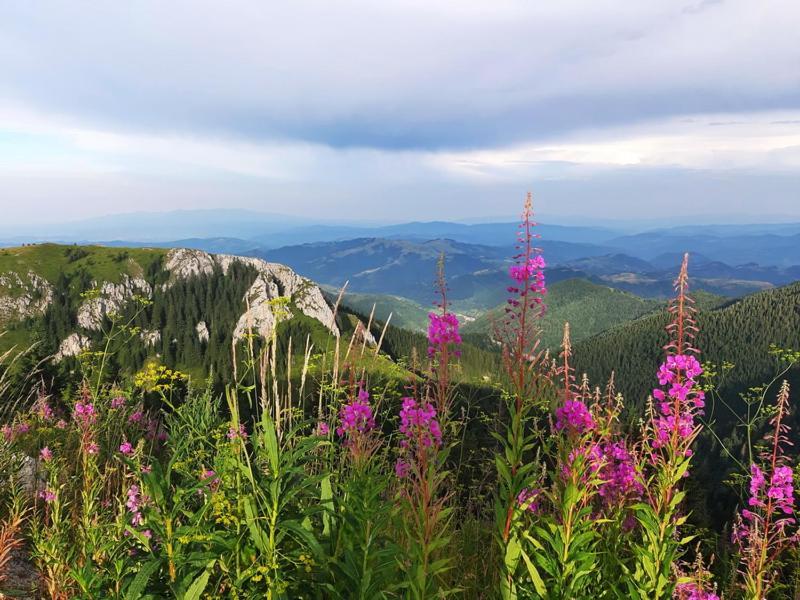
399	110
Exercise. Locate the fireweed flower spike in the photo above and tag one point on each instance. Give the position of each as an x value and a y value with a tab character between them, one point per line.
672	430
443	332
356	425
768	525
518	335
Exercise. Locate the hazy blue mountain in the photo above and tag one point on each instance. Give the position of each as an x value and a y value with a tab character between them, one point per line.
221	245
475	273
763	249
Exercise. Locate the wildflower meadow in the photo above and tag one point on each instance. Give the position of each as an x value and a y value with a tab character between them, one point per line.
154	486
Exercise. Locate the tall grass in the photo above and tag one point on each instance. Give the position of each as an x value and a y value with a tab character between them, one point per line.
310	479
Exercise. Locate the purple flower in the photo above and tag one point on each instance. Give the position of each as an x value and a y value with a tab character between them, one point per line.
529	499
680	402
234	434
693	591
134	504
47	495
781	490
442	333
618	474
92	448
23	428
84	413
118	402
126	448
532	270
574	416
418	423
45	454
210	478
401	468
322	429
356	416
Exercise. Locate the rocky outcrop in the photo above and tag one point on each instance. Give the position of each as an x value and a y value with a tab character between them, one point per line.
110	298
362	335
72	345
23	296
183	263
150	337
202	331
273	281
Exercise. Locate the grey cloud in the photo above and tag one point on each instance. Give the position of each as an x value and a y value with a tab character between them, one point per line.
394	75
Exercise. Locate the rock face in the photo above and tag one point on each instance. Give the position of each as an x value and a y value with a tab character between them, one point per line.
364	335
151	337
202	331
276	293
273	281
72	345
110	298
23	297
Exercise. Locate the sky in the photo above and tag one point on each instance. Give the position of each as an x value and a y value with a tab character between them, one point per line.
391	111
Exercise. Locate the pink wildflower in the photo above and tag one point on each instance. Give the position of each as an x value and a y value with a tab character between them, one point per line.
692	591
418	423
401	469
322	429
529	499
234	434
118	402
443	333
84	413
47	495
575	417
356	416
126	448
45	454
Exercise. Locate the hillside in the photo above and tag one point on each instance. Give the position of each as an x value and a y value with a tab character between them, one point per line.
588	307
740	332
186	306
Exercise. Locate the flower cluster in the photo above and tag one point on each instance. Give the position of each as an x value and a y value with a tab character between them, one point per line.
575	417
531	271
134	504
84	413
126	448
118	402
693	591
618	474
47	495
418	423
356	416
443	333
778	496
235	434
680	402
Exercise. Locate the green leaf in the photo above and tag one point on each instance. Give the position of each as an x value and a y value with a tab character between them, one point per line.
199	585
139	583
